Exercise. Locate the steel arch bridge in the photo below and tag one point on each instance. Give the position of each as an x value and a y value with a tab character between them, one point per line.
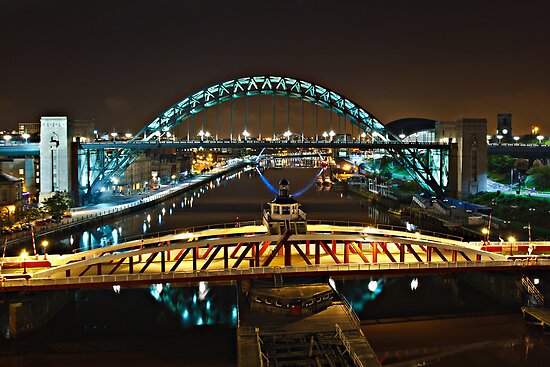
420	168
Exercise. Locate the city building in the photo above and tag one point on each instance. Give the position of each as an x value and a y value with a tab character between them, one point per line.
27	170
10	194
29	128
504	127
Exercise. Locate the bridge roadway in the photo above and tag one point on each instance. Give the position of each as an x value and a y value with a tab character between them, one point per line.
253	143
518	150
534	151
246	250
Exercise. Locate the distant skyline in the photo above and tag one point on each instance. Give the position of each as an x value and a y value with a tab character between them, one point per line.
123	62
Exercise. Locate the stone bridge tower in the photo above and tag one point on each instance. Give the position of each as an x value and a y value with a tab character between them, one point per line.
468	156
56	156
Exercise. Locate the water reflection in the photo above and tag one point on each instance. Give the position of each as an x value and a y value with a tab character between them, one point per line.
202	305
239	194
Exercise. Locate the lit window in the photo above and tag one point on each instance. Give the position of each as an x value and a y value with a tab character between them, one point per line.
37	180
21	171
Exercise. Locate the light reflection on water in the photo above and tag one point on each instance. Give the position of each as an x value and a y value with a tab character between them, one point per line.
239	194
200	305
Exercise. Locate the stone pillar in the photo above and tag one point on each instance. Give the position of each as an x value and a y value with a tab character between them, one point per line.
55	168
468	156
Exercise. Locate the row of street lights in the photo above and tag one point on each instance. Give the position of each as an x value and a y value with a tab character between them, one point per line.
8	137
516	138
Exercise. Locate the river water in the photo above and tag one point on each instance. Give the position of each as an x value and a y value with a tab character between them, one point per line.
403	318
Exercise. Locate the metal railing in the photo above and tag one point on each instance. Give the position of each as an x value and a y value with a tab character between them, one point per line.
192	275
532	289
345	342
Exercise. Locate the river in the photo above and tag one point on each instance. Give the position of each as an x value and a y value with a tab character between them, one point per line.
403	317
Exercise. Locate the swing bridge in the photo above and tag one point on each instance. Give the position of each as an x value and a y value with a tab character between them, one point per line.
234	251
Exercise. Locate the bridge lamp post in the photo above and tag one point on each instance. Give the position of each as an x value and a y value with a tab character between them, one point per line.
540	138
44	245
331	134
26	137
96	136
499	137
7	138
207	135
246	134
287	134
325	135
516	139
362	136
128	135
402	136
511	240
201	134
23	257
114	135
485	232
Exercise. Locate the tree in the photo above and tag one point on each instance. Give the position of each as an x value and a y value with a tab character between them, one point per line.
30	214
57	204
5	220
521	164
540	177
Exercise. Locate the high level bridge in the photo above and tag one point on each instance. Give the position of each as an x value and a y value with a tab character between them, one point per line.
246	250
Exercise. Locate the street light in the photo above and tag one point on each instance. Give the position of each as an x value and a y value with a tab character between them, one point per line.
331	134
516	138
499	137
7	138
26	136
287	134
44	245
539	138
246	134
363	135
23	256
201	134
207	134
325	135
128	135
114	135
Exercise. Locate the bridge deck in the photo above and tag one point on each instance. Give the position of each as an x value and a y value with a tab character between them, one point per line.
537	316
248	251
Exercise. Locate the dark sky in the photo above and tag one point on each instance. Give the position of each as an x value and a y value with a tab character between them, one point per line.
124	62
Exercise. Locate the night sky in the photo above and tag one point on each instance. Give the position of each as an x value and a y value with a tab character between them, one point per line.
124	62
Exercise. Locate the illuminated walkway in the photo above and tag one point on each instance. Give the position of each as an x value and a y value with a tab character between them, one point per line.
245	250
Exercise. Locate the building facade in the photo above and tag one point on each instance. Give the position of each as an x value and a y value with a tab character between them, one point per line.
10	194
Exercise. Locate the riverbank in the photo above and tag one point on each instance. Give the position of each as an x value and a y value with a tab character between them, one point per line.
83	216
